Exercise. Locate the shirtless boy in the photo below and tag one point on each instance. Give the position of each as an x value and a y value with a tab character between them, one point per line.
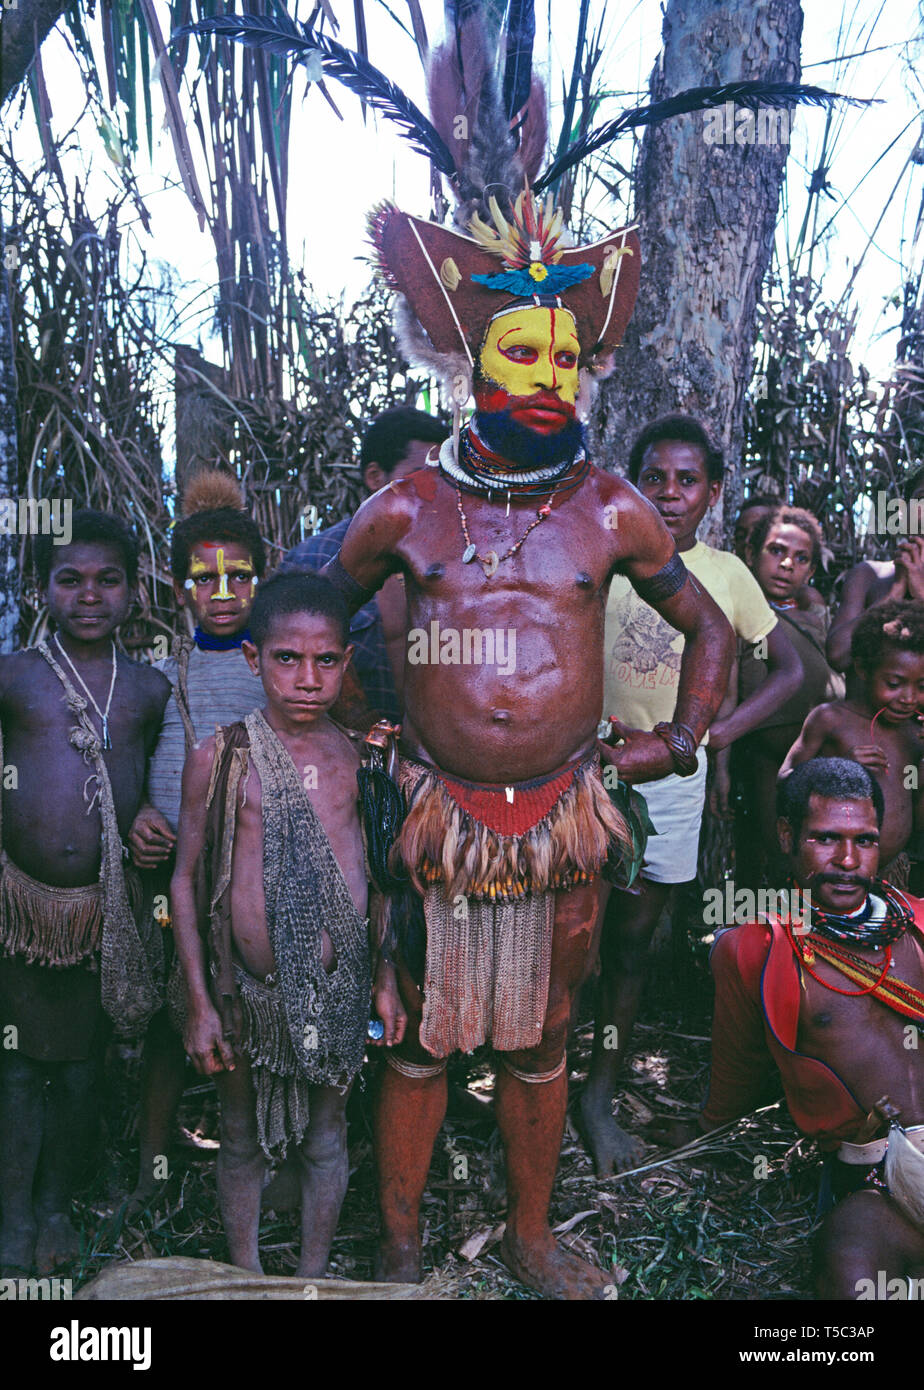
62	830
269	811
833	1010
874	582
878	727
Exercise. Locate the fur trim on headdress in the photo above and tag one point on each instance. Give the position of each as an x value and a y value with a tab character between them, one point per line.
451	368
212	490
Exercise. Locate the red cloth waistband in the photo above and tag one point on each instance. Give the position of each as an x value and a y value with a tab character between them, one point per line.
514	809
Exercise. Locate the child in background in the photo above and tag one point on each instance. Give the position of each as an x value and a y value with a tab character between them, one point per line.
880	725
216	558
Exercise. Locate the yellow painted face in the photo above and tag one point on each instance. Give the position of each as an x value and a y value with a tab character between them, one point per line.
241	570
531	350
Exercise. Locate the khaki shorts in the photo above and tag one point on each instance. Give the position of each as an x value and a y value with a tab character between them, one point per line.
675	805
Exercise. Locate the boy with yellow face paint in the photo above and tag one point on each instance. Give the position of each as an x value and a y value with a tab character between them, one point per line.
217	560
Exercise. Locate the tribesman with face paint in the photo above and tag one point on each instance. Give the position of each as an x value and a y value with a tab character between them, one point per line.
507	544
217	559
511	535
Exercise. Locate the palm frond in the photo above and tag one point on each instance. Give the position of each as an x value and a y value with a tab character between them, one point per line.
281	34
751	95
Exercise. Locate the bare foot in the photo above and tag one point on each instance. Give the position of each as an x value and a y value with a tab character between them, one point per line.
551	1271
145	1195
57	1242
284	1190
16	1249
398	1264
611	1148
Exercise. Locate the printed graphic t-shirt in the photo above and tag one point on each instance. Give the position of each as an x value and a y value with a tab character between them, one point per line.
643	652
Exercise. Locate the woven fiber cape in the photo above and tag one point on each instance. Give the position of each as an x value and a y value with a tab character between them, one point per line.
131	957
310	1027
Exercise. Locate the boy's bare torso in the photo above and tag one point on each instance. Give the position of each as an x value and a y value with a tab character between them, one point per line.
847	729
47	830
862	1040
326	762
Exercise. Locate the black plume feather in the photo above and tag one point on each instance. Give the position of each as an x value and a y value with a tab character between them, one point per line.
748	94
281	34
518	69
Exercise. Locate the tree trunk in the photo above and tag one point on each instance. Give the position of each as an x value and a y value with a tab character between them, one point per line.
706	214
25	27
9	456
203	434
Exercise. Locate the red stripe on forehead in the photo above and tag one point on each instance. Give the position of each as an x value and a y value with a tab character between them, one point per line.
552	346
553	312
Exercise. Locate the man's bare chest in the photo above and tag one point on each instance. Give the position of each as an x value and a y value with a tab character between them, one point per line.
565	553
836	1012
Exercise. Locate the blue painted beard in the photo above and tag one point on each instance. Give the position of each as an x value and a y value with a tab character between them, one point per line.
523	447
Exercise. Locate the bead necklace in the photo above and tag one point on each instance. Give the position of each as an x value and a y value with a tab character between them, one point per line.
867	927
475	474
802	953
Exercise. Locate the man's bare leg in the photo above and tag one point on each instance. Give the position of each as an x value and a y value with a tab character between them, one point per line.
71	1124
241	1165
864	1235
163	1077
22	1116
531	1113
408	1116
324	1170
627	931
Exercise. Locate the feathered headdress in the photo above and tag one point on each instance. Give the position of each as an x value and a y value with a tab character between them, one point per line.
487	135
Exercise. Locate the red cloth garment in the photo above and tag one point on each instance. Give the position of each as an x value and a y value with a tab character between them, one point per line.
510	812
757	999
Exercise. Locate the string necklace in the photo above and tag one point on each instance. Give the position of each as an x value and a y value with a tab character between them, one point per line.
490	562
103	714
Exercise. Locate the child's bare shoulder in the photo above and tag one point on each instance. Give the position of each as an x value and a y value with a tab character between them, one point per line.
826	717
18	667
147	681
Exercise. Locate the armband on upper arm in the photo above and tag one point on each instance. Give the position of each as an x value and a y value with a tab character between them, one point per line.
668	580
353	592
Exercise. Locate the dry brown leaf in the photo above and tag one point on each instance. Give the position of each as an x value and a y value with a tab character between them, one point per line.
472	1247
570	1224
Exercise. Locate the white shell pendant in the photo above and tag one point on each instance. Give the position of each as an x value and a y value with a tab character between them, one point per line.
468	555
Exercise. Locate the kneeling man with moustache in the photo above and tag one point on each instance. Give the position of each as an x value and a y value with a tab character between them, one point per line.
833	996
